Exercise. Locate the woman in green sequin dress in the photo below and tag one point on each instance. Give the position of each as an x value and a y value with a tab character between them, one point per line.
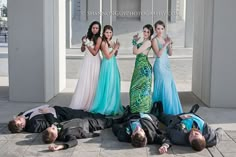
140	89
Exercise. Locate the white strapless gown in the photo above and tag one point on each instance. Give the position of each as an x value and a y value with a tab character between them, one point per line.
86	86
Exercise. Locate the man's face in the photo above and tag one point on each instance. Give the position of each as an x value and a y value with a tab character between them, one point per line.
195	134
53	131
138	130
20	121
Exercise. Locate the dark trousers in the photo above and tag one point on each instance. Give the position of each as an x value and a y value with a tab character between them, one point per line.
167	119
95	120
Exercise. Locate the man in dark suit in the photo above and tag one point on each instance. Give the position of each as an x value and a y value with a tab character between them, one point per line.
69	131
38	119
189	129
140	129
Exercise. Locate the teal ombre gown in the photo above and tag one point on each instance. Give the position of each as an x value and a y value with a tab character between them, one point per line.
107	100
164	85
141	83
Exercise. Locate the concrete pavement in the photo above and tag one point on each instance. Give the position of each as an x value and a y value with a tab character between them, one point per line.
30	145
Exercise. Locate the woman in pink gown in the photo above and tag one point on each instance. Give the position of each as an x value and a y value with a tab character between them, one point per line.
86	87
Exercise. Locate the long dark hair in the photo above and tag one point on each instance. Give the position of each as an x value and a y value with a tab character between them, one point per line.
90	34
103	35
150	28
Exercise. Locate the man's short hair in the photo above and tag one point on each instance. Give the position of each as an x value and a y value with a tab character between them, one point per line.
198	144
48	137
13	128
138	140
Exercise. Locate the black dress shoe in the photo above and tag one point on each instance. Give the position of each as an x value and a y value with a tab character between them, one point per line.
122	117
194	108
157	108
160	107
126	111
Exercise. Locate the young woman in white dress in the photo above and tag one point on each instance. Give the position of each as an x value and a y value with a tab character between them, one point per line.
86	87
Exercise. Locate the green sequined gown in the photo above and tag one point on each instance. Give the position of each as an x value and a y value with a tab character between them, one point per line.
140	88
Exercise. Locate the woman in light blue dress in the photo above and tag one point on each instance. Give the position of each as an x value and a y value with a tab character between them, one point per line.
164	85
107	100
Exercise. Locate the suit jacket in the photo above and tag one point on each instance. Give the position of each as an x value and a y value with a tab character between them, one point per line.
179	135
150	127
39	123
76	129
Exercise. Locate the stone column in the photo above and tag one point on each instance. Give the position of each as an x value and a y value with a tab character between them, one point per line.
107	12
114	9
213	54
68	24
182	6
188	43
36	49
172	11
59	46
146	11
94	10
160	10
83	10
73	9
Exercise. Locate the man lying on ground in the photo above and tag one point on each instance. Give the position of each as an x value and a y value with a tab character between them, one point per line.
140	129
189	129
38	119
69	131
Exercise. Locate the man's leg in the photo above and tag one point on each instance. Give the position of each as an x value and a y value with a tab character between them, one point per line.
194	108
66	113
99	123
157	109
166	118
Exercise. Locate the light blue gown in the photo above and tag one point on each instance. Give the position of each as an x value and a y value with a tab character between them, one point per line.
164	85
107	100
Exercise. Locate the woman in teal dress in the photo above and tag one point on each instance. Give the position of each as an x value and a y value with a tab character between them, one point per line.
140	89
107	100
164	85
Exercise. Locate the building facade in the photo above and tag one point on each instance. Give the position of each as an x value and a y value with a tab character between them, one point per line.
38	67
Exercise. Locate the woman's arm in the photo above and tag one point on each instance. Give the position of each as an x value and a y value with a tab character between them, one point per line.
106	52
83	47
116	53
96	48
170	52
156	49
144	47
169	47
